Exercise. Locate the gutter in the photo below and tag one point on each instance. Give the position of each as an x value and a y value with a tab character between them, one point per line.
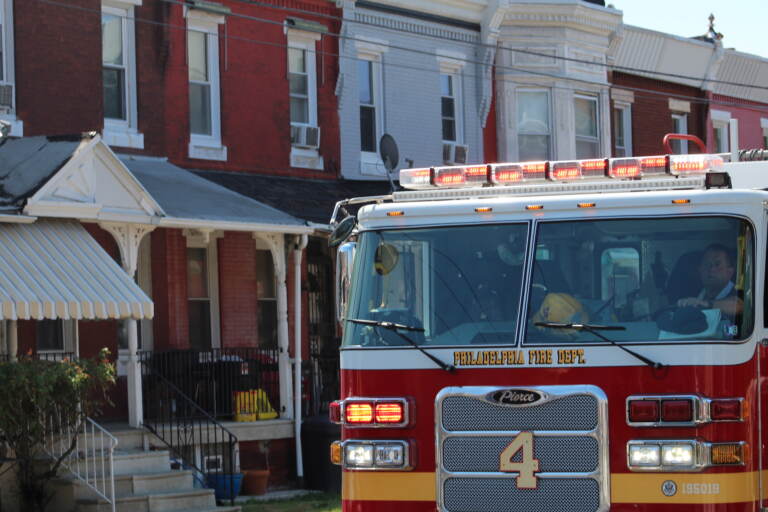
301	244
224	225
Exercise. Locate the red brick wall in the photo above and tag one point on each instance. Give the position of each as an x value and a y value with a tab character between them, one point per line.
255	122
58	66
237	290
169	289
651	117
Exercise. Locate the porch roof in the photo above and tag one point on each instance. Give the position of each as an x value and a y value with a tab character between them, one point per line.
189	200
54	269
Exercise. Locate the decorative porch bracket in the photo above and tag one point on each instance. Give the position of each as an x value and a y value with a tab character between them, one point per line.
128	238
276	244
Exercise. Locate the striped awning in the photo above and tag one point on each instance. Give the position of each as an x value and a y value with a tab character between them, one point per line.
55	269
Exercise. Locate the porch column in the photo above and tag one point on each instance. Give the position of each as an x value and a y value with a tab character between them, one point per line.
128	238
13	341
276	244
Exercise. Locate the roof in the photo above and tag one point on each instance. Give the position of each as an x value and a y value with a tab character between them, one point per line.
309	199
27	163
184	195
55	269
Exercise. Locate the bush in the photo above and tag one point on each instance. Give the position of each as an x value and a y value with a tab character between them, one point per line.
42	400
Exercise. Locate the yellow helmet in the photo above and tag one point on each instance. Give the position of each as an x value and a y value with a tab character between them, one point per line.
561	308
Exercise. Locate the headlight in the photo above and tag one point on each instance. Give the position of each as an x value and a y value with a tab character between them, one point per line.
358	455
666	455
375	455
644	455
677	455
390	455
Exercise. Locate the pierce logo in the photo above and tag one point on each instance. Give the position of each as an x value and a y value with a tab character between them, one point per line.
515	397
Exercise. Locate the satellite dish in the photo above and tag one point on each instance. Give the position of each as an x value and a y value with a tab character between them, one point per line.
388	151
342	231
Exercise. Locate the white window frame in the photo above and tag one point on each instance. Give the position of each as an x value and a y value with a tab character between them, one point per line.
125	132
764	127
373	51
209	241
720	122
306	158
550	133
201	146
626	124
682	119
598	128
9	66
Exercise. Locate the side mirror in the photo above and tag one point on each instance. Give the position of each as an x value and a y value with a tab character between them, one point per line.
345	257
342	231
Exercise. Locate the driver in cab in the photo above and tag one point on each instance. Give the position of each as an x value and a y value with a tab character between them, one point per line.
716	271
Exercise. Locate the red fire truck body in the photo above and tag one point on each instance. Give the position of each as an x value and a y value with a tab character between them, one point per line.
571	336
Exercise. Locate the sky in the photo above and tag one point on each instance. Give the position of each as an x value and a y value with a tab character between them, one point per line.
742	22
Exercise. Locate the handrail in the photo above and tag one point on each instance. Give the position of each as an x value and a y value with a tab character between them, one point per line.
188	430
91	459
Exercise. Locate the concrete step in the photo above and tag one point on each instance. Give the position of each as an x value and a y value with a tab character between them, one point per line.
136	462
189	500
135	484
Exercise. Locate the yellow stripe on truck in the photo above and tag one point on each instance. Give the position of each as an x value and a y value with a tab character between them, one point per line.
381	486
685	488
688	487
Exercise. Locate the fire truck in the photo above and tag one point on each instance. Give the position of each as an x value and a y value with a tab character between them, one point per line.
556	336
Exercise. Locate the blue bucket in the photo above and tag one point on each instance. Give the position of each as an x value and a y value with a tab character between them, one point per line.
226	485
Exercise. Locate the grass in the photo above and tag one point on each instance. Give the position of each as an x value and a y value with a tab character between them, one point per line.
313	502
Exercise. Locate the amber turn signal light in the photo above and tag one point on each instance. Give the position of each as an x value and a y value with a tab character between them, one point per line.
336	452
725	454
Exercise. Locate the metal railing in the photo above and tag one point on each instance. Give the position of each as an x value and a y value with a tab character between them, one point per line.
229	383
87	451
195	439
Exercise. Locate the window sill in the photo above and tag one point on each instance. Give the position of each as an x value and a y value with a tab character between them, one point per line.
207	149
304	158
372	165
17	126
123	138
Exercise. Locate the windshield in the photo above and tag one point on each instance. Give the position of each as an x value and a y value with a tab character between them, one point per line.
660	279
461	285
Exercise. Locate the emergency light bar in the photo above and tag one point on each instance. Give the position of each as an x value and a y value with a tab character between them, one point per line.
564	171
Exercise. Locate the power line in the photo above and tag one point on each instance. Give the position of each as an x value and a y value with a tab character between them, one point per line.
639	90
495	47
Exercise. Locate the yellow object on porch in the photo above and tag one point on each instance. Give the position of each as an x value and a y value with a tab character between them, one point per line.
253	405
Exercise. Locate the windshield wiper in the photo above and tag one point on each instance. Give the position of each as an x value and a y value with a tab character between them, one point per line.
396	328
593	328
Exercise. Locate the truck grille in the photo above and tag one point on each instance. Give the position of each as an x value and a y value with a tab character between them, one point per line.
568	425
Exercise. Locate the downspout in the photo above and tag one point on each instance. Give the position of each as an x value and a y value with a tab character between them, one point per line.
301	244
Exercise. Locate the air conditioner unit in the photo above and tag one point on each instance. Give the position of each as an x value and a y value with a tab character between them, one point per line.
455	154
6	96
303	136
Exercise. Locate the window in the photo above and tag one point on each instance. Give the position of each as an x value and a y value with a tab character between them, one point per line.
367	73
720	130
7	69
450	102
199	83
199	299
267	299
118	58
764	126
302	86
55	338
587	127
640	274
680	125
533	125
204	88
622	129
423	278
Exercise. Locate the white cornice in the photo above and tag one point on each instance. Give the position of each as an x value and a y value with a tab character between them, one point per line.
463	10
575	16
